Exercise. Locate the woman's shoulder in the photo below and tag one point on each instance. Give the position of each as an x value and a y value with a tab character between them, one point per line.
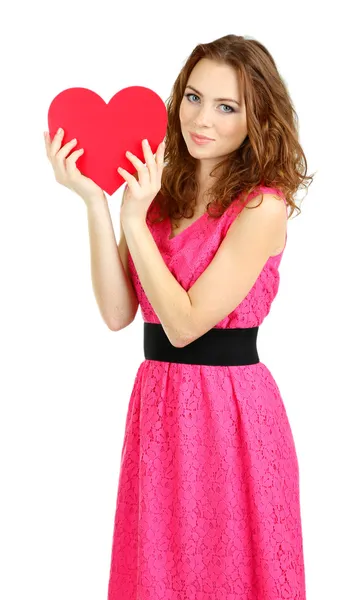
267	190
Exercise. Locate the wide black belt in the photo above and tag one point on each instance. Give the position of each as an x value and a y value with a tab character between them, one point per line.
223	347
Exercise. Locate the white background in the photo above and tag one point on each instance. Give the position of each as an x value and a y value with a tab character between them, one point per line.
66	378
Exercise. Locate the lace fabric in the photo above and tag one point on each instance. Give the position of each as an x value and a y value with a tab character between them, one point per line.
208	503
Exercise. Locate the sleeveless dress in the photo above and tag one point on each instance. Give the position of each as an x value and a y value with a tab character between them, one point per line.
208	502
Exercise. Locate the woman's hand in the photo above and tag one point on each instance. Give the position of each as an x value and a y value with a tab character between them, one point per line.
139	195
65	169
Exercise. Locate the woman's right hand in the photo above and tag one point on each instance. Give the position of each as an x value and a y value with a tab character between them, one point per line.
65	170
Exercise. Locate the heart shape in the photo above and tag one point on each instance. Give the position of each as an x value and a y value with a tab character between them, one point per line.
107	131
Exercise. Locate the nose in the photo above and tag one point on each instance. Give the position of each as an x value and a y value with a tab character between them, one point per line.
203	118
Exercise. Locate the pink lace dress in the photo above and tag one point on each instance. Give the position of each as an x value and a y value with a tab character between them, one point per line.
208	503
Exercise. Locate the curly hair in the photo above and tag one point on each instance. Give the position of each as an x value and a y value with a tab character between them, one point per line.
270	155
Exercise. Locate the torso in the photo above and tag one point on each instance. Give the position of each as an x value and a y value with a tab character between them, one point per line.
179	226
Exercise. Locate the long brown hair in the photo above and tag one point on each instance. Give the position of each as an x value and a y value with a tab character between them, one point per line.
270	155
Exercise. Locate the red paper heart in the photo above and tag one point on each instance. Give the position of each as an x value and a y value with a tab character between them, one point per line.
107	131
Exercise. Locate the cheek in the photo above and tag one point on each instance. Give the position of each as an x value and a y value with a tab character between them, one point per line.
182	114
186	112
230	129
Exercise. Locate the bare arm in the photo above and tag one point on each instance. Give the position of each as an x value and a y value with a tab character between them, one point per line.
112	286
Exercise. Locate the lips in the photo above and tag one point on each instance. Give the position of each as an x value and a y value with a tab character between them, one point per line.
200	137
200	141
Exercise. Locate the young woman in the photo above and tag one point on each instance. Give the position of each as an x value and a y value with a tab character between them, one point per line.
208	502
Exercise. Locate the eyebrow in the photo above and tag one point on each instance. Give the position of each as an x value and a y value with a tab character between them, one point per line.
216	99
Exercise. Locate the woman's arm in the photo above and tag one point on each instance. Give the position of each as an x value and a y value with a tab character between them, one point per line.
112	285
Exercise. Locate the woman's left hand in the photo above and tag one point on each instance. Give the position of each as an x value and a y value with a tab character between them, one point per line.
139	195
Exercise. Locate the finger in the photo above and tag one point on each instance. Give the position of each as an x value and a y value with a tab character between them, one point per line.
71	161
151	163
142	169
131	180
148	155
63	152
59	160
48	144
56	143
159	162
135	160
161	155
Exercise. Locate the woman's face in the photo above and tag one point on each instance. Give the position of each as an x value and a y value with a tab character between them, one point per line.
207	108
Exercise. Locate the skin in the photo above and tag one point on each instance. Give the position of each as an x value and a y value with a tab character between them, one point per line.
225	121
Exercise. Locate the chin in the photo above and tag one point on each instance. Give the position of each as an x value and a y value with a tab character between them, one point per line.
197	151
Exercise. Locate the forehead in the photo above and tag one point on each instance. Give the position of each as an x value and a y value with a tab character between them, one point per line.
214	78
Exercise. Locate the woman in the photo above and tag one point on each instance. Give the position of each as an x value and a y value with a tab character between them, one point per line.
208	501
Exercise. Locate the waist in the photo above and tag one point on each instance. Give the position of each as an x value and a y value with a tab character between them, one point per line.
217	347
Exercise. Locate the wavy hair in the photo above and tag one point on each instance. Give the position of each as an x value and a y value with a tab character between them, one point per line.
270	155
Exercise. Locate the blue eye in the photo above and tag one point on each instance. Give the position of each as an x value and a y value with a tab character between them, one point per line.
188	95
226	112
227	105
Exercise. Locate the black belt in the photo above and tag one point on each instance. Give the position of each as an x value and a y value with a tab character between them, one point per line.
224	347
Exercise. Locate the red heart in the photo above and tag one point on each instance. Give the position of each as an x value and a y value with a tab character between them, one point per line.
107	131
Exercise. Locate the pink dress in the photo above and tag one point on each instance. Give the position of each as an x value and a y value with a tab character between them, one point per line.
208	504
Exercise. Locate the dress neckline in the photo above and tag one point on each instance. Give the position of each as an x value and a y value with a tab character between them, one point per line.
170	229
170	240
